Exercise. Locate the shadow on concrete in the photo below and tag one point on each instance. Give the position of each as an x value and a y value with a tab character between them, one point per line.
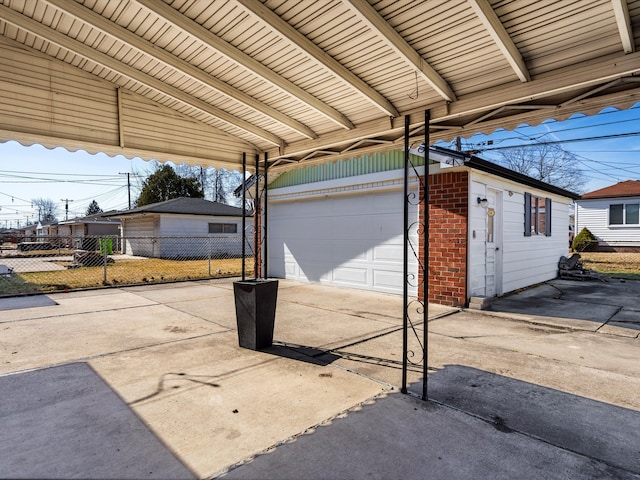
25	301
167	382
302	353
66	422
597	430
476	425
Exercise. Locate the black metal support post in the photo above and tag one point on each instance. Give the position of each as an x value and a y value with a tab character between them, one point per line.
425	257
244	214
257	250
416	310
405	286
265	242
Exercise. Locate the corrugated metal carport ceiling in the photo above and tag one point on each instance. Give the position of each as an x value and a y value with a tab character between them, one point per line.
202	81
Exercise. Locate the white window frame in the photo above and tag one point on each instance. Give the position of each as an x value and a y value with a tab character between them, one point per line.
624	215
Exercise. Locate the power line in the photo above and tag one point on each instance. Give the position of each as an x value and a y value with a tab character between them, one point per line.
555	142
66	174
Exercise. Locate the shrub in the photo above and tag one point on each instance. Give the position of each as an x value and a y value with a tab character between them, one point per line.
585	241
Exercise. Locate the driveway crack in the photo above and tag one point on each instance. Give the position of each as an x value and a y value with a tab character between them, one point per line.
618	310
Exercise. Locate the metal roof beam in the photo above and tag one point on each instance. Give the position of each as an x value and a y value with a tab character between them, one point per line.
394	40
494	26
601	88
78	48
313	51
95	20
193	28
623	20
584	75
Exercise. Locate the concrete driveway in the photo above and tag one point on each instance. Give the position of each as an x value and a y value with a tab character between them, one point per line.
148	382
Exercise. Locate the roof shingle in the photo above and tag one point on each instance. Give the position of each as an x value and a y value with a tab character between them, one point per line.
188	206
628	188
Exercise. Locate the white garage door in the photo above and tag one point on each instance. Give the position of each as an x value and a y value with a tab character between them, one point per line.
351	240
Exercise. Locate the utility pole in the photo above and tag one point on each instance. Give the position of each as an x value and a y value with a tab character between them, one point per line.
128	186
66	207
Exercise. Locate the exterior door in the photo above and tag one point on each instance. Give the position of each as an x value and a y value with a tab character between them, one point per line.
493	244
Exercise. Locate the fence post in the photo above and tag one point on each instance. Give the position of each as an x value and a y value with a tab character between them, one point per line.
102	242
209	255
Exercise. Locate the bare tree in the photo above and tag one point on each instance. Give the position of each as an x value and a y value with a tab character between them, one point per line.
218	184
46	209
548	163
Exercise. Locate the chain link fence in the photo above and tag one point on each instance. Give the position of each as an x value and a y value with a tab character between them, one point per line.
625	265
49	264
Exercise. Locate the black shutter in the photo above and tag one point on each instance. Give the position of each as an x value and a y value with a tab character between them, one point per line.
527	214
547	220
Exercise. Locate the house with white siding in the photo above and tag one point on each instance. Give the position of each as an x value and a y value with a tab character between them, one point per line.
491	230
612	214
182	228
84	232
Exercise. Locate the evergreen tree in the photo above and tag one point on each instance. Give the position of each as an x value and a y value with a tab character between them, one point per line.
93	208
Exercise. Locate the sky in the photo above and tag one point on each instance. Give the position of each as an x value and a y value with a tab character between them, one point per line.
606	147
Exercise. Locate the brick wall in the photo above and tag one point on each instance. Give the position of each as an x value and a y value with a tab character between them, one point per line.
448	212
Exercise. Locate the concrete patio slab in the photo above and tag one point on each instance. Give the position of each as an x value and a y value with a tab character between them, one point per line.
72	337
323	328
181	292
70	305
171	354
555	308
215	404
604	352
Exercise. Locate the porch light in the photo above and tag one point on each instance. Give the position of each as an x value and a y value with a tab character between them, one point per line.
483	202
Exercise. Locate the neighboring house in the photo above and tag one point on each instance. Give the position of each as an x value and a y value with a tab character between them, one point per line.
612	214
54	233
85	231
492	230
28	233
182	228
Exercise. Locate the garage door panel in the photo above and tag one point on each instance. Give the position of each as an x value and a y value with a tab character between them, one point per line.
391	253
350	275
291	269
349	250
387	281
350	240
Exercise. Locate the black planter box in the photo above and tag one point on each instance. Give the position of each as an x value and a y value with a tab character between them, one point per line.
255	312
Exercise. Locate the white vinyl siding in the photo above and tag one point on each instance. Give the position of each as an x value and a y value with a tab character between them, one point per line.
525	260
195	239
594	214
